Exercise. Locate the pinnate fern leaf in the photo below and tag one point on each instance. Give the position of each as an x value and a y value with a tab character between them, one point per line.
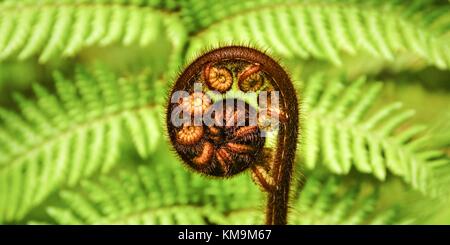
165	193
340	133
320	202
159	193
160	4
326	31
200	14
55	28
58	140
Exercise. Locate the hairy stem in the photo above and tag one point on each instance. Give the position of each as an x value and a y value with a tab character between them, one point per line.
278	199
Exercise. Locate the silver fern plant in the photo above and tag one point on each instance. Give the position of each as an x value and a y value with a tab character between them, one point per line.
88	146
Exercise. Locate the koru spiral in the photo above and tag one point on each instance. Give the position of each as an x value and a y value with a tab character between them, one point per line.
231	141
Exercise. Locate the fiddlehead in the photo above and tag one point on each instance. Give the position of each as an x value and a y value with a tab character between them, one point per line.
224	136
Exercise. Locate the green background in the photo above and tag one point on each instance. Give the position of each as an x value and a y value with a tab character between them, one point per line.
83	86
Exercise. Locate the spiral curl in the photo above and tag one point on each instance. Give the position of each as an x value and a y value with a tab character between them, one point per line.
223	150
226	148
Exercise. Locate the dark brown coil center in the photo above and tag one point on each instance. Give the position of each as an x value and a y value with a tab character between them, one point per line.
229	144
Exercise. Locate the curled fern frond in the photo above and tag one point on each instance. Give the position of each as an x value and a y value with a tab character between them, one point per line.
160	193
64	28
339	133
326	31
57	140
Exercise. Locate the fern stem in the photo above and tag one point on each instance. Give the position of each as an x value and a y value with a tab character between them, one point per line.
278	199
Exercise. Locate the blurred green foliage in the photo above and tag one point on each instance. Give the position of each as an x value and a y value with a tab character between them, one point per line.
83	85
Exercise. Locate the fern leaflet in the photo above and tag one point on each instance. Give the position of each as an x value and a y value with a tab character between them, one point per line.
57	140
160	193
307	30
321	203
63	29
338	134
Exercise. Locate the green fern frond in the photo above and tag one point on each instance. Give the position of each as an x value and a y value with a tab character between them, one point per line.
161	4
199	14
63	29
165	193
325	31
322	202
338	133
160	193
57	140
